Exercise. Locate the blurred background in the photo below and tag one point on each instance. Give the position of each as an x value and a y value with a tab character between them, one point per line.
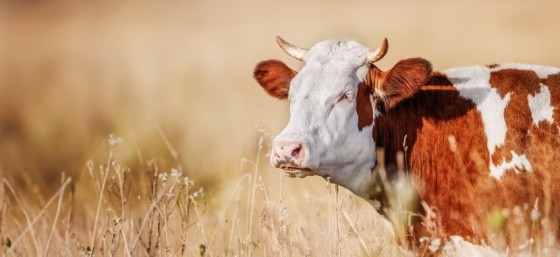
74	72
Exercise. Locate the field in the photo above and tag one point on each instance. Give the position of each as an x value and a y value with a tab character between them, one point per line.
132	129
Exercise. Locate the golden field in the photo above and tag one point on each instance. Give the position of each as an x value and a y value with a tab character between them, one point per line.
98	100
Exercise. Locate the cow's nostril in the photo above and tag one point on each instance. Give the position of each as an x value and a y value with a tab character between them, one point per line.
296	151
288	152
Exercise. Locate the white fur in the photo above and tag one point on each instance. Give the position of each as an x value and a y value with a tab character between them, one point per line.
542	71
541	106
458	247
473	84
518	163
328	130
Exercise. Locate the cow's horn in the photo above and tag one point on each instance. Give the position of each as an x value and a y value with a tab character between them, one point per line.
377	54
291	50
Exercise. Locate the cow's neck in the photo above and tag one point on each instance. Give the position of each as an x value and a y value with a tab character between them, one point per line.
392	185
396	133
423	128
397	129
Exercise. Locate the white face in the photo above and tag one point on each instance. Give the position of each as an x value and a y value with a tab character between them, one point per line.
322	136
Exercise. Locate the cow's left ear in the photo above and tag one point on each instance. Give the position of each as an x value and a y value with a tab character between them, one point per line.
400	82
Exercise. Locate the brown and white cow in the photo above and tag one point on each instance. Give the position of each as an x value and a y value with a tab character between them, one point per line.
474	139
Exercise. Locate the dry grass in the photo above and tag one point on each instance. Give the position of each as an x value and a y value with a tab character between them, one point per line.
174	81
152	212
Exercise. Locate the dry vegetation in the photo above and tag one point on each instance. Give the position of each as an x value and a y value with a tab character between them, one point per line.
155	212
173	81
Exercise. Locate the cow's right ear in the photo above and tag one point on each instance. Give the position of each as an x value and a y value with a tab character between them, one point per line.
400	82
275	77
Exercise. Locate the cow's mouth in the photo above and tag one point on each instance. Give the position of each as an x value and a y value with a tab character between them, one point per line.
293	171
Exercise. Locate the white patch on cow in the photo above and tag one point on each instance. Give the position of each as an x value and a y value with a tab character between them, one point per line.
473	83
458	247
541	106
518	163
542	71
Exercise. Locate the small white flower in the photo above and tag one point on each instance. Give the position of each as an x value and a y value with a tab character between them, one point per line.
114	141
162	177
187	182
170	194
175	173
198	193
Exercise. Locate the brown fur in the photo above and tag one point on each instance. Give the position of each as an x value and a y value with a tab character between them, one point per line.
519	84
442	175
401	82
540	143
553	83
274	77
363	106
452	176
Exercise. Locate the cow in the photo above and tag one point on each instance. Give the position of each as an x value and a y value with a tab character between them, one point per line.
475	143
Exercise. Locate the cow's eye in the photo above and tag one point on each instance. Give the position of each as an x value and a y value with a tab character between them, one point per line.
346	96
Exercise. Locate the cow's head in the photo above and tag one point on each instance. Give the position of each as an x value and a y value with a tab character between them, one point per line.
330	129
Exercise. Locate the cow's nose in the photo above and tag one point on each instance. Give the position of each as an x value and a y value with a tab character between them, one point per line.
287	153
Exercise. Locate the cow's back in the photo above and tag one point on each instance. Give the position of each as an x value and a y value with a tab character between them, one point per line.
520	110
482	141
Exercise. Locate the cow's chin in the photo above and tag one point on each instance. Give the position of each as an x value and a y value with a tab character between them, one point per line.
299	172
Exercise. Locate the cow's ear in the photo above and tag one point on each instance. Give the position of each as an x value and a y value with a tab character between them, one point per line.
275	77
402	81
